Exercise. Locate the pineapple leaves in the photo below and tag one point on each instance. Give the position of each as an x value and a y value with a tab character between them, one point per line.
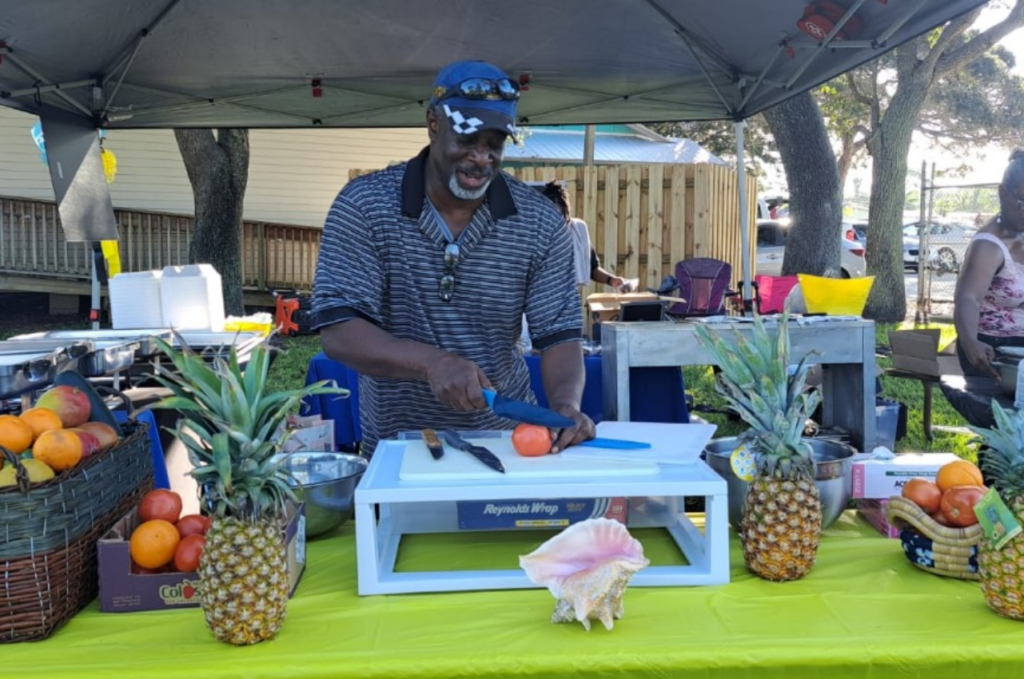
759	383
233	430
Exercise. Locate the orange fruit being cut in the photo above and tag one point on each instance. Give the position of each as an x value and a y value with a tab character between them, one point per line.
153	543
15	435
40	420
531	440
958	473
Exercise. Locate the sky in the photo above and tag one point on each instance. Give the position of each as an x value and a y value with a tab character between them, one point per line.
989	162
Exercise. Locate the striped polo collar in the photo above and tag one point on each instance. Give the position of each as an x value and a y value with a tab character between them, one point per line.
414	193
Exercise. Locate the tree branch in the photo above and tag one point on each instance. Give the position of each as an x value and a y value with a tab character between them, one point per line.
957	58
858	96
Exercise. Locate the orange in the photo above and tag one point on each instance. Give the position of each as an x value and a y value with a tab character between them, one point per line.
958	473
15	435
923	493
531	440
153	543
58	448
40	420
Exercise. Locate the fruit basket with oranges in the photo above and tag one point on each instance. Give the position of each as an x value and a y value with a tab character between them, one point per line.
939	531
63	483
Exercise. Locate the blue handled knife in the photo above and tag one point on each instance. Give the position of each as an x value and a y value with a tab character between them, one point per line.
615	444
521	411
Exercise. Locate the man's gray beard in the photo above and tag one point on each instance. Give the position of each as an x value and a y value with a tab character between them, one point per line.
466	194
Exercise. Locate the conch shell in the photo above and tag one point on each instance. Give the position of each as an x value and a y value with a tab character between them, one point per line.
587	567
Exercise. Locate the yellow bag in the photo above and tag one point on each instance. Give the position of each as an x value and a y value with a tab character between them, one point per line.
835	296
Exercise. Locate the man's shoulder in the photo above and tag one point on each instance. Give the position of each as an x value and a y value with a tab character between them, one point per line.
376	181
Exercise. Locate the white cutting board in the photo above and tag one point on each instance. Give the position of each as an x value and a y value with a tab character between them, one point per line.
458	465
670	443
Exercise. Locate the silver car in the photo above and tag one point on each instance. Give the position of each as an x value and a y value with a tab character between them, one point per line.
771	247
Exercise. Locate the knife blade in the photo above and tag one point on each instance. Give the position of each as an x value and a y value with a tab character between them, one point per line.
434	444
615	444
479	452
520	411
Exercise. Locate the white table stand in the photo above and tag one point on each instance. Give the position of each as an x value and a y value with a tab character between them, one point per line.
417	507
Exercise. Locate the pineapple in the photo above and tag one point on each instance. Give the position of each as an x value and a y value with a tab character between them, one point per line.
781	521
1001	571
231	429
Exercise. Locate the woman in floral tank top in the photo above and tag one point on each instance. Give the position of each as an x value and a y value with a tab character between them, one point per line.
989	299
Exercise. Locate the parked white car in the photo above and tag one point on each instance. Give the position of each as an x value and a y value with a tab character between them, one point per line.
771	247
947	243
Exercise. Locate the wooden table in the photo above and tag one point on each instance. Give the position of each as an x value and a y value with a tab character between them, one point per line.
846	349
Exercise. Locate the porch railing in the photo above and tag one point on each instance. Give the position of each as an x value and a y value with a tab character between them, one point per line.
32	243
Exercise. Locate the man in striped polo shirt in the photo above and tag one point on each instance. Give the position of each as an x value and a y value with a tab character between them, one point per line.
427	268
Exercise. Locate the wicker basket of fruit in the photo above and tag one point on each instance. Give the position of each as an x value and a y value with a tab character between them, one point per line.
54	505
929	545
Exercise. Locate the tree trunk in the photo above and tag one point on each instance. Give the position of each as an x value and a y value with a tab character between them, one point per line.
218	170
845	161
815	196
889	146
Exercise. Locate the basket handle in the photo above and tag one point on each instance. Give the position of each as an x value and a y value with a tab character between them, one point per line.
20	473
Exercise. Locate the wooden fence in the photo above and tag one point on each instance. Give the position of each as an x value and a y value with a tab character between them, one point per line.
32	243
642	219
654	215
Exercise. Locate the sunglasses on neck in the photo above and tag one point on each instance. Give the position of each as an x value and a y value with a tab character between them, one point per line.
446	286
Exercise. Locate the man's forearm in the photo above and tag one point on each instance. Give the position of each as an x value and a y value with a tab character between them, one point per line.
561	369
367	349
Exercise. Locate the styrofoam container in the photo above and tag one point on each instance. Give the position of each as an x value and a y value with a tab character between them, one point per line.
135	300
191	298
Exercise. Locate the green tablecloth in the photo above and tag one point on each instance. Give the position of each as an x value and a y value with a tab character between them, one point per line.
864	611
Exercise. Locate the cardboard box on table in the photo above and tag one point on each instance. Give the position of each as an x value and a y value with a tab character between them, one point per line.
121	591
917	351
881	479
605	306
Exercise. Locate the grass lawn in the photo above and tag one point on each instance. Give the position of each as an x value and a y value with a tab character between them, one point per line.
289	371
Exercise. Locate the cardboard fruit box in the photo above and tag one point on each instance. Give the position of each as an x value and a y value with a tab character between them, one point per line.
121	591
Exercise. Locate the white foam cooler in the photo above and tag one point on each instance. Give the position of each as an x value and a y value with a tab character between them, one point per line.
135	300
191	298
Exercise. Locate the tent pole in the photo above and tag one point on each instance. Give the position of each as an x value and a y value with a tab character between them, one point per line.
588	145
741	177
94	307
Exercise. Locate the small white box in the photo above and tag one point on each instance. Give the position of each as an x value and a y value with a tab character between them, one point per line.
881	479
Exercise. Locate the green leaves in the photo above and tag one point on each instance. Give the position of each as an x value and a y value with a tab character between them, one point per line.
231	429
755	381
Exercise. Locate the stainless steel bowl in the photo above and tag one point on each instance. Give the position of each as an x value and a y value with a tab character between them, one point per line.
326	482
833	473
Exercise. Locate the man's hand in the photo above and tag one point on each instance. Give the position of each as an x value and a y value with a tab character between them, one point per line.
458	383
582	431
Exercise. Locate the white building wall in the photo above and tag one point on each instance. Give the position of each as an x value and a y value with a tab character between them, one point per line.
293	174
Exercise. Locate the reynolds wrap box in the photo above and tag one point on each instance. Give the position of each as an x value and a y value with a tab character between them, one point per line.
122	591
547	513
881	479
874	512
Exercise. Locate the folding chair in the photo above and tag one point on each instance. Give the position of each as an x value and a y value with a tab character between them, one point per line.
704	283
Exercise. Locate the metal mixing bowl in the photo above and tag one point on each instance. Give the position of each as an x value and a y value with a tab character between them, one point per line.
833	473
326	482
